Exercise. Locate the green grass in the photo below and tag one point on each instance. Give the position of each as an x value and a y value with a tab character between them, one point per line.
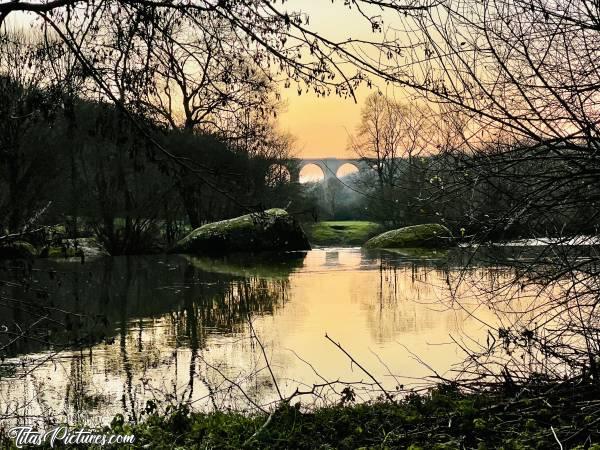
350	232
443	418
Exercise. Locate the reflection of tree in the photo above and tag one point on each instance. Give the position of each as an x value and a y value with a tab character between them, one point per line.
413	296
225	306
221	306
406	301
80	395
105	294
160	312
540	321
211	304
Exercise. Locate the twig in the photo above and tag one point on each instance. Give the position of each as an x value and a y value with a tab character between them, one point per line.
266	359
386	393
556	437
8	237
263	426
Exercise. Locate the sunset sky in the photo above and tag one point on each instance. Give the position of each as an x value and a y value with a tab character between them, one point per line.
322	125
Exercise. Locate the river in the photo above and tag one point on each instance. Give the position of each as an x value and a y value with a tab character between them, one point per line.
180	329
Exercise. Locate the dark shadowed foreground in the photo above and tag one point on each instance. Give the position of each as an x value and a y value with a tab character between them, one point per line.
539	416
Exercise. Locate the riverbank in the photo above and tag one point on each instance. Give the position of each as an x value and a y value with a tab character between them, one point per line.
536	416
533	417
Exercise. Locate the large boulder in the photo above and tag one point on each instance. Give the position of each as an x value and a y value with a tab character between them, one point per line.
429	235
271	230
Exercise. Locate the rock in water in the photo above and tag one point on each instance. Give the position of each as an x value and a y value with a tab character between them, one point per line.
271	230
429	235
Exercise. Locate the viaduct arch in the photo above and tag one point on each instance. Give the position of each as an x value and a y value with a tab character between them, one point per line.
329	166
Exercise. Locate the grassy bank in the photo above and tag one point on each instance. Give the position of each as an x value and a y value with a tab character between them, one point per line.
535	417
352	232
532	418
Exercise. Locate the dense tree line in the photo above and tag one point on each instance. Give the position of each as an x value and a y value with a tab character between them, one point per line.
134	175
97	172
424	171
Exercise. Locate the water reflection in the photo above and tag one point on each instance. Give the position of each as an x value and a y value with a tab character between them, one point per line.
175	328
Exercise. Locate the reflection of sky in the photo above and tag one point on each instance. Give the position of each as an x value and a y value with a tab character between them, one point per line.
377	315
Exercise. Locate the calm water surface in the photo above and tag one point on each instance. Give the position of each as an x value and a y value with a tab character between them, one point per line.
176	329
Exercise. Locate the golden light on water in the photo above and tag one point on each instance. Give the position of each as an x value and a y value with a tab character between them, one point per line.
384	315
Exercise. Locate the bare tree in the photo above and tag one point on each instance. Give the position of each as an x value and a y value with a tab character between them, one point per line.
523	76
390	136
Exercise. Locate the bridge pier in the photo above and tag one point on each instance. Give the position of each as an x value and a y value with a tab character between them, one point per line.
294	174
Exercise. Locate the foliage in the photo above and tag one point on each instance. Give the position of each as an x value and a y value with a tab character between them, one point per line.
444	418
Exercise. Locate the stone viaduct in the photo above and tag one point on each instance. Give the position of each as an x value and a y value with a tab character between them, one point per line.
329	166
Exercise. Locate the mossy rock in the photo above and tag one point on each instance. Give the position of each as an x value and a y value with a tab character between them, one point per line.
429	235
17	250
271	230
60	252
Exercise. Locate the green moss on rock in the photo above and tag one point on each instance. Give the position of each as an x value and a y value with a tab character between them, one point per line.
60	252
429	235
271	230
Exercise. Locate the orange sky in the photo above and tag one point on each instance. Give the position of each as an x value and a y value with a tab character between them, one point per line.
321	125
